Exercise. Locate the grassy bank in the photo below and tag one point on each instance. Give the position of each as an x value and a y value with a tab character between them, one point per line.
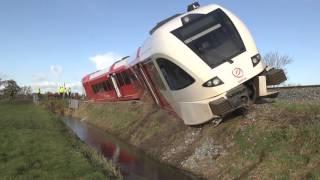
274	140
37	145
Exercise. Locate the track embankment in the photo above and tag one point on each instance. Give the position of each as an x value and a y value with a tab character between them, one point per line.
276	139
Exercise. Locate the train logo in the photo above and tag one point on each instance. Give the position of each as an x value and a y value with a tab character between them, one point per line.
237	72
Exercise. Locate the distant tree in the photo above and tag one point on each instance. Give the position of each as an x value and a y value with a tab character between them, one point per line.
1	90
276	60
11	89
25	90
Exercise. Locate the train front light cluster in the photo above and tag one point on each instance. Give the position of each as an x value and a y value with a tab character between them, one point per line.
213	82
255	59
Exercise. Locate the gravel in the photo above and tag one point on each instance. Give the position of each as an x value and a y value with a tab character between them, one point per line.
300	94
189	139
204	155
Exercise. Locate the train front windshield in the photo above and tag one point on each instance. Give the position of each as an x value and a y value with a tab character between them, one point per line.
213	37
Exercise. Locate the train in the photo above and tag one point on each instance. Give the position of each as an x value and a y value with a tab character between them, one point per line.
200	65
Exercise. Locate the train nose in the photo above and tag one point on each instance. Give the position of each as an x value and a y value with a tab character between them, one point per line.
235	98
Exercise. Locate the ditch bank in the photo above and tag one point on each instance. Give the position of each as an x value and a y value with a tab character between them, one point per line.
275	139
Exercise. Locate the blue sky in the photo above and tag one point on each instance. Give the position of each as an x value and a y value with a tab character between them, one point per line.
46	43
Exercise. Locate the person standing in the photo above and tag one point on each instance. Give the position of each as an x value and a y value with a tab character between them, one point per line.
39	91
69	92
61	91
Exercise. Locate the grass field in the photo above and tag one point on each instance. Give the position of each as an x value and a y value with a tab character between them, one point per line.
36	145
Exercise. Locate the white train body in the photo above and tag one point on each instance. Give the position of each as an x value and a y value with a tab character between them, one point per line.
222	48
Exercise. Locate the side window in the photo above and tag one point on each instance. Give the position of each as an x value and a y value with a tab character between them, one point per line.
120	80
135	76
100	87
132	76
176	77
105	86
110	83
126	77
154	75
94	89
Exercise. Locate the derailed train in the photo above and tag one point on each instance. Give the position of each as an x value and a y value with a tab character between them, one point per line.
201	65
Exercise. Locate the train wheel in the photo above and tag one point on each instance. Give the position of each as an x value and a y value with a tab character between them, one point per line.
216	121
252	93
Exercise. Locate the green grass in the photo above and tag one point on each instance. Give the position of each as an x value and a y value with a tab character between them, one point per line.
312	108
118	115
37	145
125	118
55	105
282	152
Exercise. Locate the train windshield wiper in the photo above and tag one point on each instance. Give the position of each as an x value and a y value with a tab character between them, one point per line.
203	33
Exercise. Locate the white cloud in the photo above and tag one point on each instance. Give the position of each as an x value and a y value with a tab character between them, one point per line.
3	76
51	82
38	77
105	60
57	70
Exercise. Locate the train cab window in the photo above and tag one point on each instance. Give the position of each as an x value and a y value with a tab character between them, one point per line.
176	77
213	37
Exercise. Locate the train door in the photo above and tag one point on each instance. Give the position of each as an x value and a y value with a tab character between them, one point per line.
155	84
127	90
115	85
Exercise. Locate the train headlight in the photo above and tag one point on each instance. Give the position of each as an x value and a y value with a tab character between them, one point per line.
213	82
186	19
255	59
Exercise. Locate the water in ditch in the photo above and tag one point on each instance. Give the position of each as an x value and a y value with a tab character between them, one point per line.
132	162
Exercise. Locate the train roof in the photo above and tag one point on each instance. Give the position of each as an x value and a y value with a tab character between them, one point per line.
174	22
166	26
117	66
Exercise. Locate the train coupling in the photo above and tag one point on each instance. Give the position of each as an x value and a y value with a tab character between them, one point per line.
235	98
270	77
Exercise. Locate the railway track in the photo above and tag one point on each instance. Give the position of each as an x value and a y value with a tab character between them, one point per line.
295	87
299	93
